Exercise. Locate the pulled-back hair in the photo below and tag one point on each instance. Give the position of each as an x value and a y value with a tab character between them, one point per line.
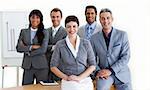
71	18
39	33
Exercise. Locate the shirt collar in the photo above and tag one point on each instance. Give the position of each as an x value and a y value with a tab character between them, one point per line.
109	34
92	26
32	29
56	28
72	49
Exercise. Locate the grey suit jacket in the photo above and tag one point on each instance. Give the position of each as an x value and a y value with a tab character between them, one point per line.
67	63
118	53
61	34
82	29
37	57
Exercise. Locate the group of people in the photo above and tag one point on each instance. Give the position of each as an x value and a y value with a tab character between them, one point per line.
75	55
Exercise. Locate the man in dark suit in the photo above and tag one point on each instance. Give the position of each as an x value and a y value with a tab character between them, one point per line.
56	33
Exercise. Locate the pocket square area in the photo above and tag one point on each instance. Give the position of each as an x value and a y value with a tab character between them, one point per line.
116	45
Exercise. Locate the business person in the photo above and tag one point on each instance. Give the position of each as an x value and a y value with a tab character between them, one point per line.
73	59
56	33
92	27
111	46
33	42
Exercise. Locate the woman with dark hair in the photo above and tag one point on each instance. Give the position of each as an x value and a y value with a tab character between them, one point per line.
73	59
33	42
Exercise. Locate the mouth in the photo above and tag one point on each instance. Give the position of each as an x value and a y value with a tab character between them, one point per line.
71	32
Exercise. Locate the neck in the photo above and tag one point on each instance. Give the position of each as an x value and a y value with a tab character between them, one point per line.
73	40
107	31
72	37
55	26
90	23
34	27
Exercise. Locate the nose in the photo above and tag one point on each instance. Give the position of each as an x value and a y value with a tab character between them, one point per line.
71	28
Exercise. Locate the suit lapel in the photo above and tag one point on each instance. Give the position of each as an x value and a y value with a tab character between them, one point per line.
50	34
102	40
28	38
112	39
58	33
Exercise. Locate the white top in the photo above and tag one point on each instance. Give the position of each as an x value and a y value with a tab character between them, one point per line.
55	29
72	49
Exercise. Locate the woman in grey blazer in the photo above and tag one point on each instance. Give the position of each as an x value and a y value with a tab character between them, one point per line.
73	59
33	43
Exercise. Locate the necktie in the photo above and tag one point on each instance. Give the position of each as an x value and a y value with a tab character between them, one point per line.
53	32
89	32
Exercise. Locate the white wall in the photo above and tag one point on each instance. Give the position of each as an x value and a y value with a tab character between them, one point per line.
0	49
133	16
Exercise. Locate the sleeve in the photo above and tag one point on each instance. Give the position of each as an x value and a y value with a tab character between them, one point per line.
21	46
56	56
124	55
96	57
44	45
91	56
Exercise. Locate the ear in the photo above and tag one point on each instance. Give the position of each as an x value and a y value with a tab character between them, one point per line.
112	18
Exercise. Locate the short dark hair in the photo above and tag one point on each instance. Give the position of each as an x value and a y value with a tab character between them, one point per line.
91	6
105	10
71	18
56	10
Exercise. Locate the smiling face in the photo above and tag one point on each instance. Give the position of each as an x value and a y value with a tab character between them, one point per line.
106	20
90	15
72	28
35	21
56	18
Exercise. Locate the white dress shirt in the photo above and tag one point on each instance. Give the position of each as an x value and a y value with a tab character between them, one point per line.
73	50
55	29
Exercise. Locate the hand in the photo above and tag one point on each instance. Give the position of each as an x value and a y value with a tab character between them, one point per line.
74	78
104	73
65	77
35	47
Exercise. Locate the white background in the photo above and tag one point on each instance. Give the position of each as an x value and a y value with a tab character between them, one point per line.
132	16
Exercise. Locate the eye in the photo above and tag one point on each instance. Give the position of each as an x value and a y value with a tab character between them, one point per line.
108	17
74	26
92	13
53	16
67	26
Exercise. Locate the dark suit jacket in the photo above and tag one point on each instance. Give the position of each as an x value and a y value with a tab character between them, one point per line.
37	57
61	34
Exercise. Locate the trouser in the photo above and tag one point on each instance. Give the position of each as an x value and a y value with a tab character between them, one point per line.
30	74
105	84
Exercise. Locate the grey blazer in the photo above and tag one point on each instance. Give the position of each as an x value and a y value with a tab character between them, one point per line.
61	34
37	57
67	63
82	29
118	53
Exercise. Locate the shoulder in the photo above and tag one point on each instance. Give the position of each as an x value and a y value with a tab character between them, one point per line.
61	43
82	27
45	31
85	41
25	30
121	32
49	29
96	35
62	28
